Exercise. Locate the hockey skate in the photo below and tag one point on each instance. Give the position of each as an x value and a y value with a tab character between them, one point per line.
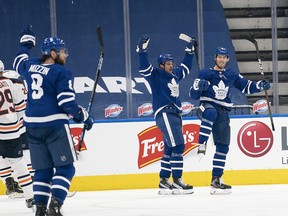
54	208
165	187
218	186
13	190
30	203
40	210
179	187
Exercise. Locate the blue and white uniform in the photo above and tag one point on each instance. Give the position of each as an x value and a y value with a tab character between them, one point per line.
215	105
51	96
167	110
50	101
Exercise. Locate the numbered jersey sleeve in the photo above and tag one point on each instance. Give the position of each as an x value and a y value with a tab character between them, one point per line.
51	97
12	106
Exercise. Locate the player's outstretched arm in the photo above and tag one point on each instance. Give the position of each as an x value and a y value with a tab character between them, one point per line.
27	40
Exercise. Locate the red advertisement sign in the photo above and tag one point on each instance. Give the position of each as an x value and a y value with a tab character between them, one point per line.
76	135
255	139
151	144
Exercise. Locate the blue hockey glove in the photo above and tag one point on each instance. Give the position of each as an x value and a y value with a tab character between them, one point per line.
201	85
263	85
191	46
27	36
88	123
143	43
83	116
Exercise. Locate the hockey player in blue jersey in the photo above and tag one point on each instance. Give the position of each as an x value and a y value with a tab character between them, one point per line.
50	102
164	82
212	87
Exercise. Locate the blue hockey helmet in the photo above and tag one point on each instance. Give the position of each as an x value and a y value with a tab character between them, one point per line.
52	43
164	58
221	51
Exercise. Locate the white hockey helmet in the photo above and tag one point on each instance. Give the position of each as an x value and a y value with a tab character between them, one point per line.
11	74
1	66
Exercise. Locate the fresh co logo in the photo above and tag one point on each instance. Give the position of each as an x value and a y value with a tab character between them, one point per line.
255	139
151	144
76	135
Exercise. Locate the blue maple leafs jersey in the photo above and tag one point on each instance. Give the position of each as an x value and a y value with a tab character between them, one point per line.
51	97
220	85
164	86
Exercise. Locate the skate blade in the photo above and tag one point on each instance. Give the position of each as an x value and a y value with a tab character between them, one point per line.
71	193
18	195
182	192
165	191
33	208
217	191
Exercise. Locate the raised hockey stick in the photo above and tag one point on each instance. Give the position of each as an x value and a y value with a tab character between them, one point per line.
188	39
252	40
99	67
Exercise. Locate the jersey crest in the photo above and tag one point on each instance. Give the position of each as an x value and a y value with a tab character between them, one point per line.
221	90
174	88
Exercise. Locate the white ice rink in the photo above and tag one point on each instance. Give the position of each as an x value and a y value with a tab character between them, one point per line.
256	200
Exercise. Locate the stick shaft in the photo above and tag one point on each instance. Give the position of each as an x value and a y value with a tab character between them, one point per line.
99	67
252	40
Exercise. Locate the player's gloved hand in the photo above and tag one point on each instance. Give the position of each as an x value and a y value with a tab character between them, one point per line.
201	85
88	123
191	46
263	85
27	36
83	116
201	151
143	43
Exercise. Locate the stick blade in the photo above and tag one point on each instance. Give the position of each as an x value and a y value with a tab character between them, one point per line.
100	38
185	37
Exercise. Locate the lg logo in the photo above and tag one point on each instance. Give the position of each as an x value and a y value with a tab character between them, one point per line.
255	139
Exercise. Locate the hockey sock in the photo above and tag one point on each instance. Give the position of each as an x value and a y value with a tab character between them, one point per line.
177	161
26	155
207	121
165	171
42	185
5	169
219	159
24	178
176	165
61	182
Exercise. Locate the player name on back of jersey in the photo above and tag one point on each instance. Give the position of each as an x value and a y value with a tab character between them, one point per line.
39	69
3	83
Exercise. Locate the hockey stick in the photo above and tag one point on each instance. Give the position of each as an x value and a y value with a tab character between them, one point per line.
188	39
100	39
252	40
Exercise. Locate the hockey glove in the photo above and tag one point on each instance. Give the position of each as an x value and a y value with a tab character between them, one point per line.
83	116
143	43
201	151
88	123
263	85
27	36
191	46
201	85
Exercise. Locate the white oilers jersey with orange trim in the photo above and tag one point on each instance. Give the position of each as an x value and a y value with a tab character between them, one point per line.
12	108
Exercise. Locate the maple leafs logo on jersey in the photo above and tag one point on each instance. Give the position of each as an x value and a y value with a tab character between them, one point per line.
174	88
220	90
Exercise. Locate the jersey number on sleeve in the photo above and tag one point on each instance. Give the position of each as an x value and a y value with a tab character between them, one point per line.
6	96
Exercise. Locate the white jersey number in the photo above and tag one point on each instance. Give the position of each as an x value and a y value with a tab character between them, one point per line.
36	86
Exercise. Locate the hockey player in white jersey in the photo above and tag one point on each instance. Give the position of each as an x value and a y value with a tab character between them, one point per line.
50	102
212	88
164	82
11	124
